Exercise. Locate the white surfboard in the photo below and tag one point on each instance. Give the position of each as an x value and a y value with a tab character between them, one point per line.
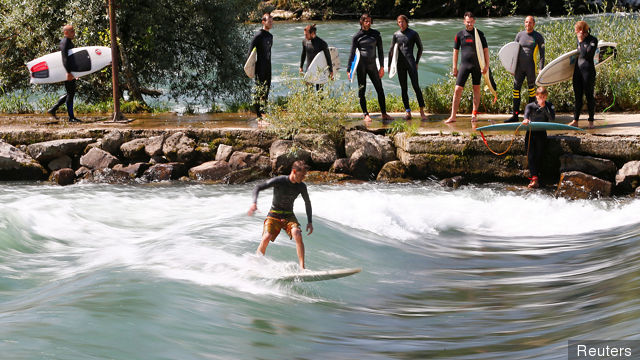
354	65
319	275
561	68
480	54
318	70
250	65
508	55
48	69
393	69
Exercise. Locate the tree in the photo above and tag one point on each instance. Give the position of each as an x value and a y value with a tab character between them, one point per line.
191	48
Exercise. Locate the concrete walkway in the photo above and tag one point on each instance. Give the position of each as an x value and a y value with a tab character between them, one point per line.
606	124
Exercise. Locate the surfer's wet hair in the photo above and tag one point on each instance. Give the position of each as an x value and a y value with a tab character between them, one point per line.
311	29
300	165
364	17
403	17
469	14
583	26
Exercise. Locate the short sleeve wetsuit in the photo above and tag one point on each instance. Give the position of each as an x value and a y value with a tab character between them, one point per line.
406	40
368	42
465	42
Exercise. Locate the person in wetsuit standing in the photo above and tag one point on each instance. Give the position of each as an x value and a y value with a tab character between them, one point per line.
66	44
367	41
584	74
262	41
311	46
536	141
531	43
406	39
286	189
465	43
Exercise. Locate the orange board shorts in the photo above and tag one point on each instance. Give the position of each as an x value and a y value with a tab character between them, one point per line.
274	223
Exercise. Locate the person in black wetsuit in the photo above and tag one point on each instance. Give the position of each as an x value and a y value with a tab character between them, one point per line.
406	39
536	141
286	189
465	43
311	46
584	74
66	44
262	41
531	43
367	41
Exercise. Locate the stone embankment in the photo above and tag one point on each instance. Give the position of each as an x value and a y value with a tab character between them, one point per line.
584	166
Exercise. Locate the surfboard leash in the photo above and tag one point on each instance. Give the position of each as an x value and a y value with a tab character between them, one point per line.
510	144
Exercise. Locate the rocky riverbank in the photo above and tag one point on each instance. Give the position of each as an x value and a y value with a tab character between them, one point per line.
581	166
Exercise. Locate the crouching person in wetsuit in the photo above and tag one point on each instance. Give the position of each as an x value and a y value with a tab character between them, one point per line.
536	141
531	43
286	189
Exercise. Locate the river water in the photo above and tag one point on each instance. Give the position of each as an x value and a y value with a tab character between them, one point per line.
168	271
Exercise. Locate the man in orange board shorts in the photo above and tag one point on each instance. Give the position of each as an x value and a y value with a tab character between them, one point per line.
286	189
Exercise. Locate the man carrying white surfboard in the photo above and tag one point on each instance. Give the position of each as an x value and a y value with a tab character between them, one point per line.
406	39
312	45
531	44
262	42
286	189
465	44
66	44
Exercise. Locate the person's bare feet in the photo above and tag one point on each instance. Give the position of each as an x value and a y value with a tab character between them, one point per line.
534	184
407	115
591	126
367	118
386	117
474	118
423	116
574	123
450	120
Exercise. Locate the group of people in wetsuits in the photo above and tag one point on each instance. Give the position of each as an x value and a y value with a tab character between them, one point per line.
369	43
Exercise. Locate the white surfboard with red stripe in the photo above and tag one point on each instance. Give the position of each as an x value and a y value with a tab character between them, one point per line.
48	69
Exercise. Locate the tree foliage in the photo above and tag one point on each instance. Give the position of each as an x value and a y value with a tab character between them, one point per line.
190	48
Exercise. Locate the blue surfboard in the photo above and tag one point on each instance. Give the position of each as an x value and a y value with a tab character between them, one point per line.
531	126
354	65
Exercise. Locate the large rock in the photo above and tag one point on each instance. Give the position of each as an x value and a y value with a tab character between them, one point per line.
179	148
283	153
154	144
17	165
224	152
49	150
134	170
111	141
165	172
578	185
134	150
240	160
393	171
98	159
375	146
212	171
602	168
340	166
322	147
63	176
247	174
367	153
628	177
